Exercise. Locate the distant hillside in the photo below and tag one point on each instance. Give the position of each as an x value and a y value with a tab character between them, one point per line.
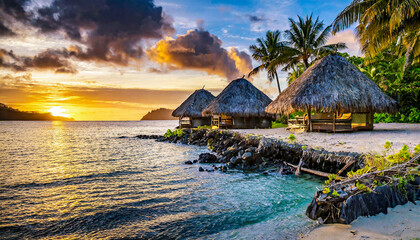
8	113
159	114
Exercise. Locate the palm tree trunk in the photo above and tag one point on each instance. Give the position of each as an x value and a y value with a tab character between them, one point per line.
409	57
305	61
277	79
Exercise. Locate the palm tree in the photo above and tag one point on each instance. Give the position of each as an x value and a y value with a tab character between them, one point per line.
296	71
265	52
306	41
383	22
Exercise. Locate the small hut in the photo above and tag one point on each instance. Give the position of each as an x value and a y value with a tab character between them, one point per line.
335	96
189	112
239	105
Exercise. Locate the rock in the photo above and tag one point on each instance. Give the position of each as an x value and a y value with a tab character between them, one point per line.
209	170
207	158
188	162
201	169
247	156
195	161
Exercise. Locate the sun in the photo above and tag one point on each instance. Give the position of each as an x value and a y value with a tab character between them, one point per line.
58	111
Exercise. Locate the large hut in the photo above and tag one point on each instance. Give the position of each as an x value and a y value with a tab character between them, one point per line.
239	105
335	96
189	112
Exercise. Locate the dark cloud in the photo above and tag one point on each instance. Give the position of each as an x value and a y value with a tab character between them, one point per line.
201	50
111	30
5	31
49	59
254	18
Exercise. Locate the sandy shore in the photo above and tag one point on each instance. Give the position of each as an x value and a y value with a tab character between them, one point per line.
401	222
362	142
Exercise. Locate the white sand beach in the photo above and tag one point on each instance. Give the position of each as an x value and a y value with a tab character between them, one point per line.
401	222
362	141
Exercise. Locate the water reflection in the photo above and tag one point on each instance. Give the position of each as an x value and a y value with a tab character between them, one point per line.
73	180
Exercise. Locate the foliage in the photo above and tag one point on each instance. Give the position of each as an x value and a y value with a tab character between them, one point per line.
359	172
204	127
296	71
278	125
417	149
381	162
332	178
382	22
267	50
386	69
401	156
177	132
362	187
292	137
326	191
335	194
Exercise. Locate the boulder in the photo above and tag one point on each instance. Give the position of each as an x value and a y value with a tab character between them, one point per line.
201	169
188	162
207	158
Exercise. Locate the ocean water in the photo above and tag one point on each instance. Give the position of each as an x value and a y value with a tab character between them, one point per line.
80	180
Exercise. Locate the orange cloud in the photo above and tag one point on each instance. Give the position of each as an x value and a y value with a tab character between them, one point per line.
203	51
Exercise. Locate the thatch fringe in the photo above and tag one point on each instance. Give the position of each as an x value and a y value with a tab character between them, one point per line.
239	99
194	105
333	84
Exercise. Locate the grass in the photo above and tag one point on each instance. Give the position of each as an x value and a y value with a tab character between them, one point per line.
278	125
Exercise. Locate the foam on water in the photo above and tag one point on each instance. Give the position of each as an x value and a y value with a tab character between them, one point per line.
80	180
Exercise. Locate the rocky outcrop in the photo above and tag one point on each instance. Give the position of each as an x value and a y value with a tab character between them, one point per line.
347	208
258	153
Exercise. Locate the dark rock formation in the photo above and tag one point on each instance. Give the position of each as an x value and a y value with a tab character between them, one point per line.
207	158
345	209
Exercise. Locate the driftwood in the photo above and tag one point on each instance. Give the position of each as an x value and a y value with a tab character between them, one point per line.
311	171
299	167
346	166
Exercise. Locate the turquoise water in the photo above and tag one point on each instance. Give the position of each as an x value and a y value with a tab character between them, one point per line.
80	180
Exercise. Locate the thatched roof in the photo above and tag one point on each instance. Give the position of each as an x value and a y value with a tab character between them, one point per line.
194	105
239	99
332	84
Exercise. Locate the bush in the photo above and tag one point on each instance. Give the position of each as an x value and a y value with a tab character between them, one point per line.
411	115
178	132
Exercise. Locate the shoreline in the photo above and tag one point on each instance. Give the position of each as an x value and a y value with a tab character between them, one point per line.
401	222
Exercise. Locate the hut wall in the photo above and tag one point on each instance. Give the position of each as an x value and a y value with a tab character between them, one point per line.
195	122
251	122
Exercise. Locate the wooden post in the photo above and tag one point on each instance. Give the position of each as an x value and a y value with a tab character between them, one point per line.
309	119
299	166
333	122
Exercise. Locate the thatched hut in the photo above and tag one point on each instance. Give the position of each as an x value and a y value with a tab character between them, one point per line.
189	112
239	105
341	97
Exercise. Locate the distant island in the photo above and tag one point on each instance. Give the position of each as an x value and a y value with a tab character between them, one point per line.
159	114
9	113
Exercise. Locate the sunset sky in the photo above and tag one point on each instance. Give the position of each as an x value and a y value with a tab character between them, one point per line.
117	60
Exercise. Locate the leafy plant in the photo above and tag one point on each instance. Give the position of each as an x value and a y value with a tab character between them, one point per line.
335	194
292	138
177	132
402	156
326	191
362	187
331	178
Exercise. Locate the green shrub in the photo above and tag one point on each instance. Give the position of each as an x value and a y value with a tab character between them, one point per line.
177	132
292	137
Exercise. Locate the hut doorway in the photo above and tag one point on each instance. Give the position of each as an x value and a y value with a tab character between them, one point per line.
332	122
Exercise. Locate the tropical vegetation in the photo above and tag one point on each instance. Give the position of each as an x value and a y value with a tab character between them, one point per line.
382	23
265	52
